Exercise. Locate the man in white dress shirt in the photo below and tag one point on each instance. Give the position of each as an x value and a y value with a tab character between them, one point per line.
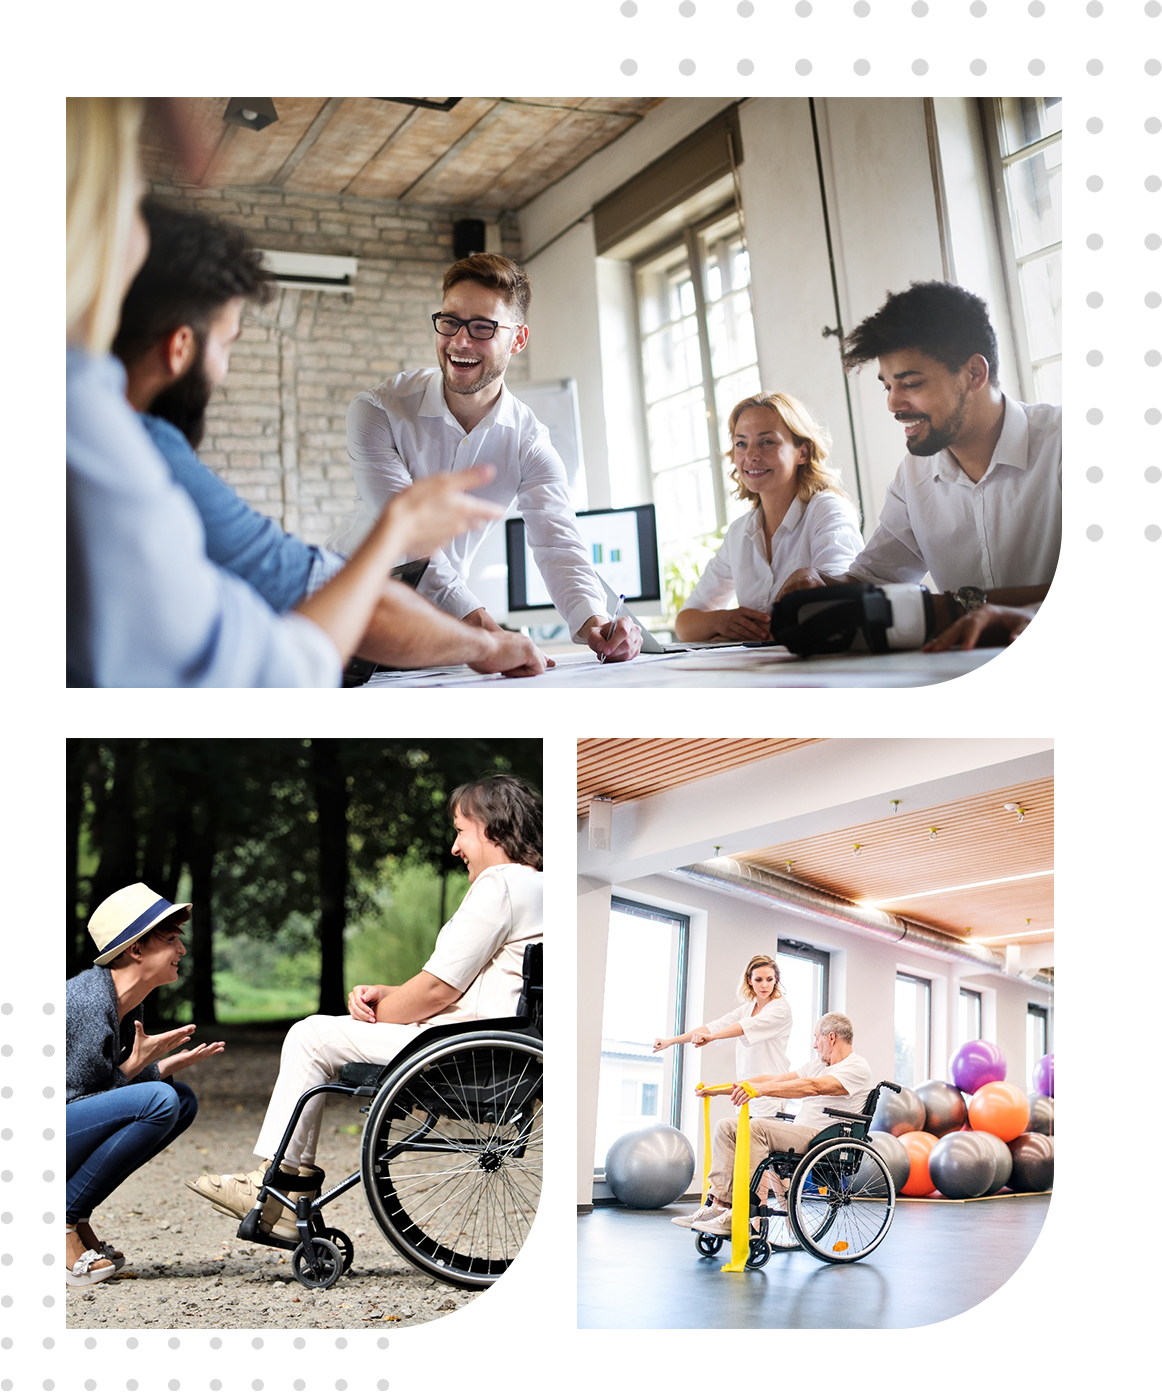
976	502
439	421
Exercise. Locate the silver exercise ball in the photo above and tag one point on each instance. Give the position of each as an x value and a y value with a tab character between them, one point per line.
893	1154
1041	1115
899	1112
962	1166
651	1167
944	1107
1003	1157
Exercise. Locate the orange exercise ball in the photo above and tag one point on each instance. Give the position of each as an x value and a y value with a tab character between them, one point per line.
1001	1108
919	1146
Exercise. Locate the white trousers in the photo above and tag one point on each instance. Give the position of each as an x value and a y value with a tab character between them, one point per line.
313	1052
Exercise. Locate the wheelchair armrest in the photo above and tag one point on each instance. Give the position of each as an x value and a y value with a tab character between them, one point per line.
363	1077
785	1116
846	1116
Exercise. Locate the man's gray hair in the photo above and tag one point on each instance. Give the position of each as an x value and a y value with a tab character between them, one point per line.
836	1024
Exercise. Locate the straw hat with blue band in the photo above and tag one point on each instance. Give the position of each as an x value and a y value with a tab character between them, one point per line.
126	916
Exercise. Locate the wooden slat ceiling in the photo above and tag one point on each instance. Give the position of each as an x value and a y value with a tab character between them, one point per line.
491	154
976	840
626	769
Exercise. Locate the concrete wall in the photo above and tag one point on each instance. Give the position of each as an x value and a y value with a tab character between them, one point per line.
863	974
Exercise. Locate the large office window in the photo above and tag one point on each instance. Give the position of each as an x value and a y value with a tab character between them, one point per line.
913	1029
645	996
698	360
1026	140
1036	1039
968	1016
804	973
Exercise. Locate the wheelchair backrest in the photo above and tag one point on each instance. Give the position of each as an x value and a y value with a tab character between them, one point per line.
529	1006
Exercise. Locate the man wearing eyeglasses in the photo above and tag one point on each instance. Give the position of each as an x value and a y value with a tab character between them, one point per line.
439	421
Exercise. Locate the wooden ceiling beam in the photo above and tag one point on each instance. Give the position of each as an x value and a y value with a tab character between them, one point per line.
457	148
309	136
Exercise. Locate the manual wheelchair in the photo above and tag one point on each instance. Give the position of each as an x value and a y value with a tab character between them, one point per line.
451	1156
840	1199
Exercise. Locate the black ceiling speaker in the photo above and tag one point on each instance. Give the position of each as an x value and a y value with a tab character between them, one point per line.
255	113
467	237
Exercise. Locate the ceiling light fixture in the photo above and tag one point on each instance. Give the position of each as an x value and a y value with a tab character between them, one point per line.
949	889
855	850
445	104
895	804
932	833
1017	808
255	113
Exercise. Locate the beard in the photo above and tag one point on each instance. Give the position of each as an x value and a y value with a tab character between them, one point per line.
488	375
939	437
184	403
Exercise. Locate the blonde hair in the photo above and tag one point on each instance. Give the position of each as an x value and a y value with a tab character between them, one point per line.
746	991
101	195
814	476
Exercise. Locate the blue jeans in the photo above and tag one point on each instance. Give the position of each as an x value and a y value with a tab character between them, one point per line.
110	1135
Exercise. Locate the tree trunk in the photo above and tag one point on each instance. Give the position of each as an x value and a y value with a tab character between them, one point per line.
331	801
115	829
202	922
78	753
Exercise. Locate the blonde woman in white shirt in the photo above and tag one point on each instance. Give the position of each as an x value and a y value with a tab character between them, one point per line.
799	511
761	1027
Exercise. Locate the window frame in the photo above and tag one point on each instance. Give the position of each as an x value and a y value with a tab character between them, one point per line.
791	947
924	981
978	996
1039	1012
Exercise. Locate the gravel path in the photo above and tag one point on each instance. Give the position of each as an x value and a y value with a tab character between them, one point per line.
189	1271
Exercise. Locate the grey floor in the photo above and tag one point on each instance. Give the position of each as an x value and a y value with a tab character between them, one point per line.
637	1271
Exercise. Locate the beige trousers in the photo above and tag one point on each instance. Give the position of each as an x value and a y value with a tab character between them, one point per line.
765	1135
313	1052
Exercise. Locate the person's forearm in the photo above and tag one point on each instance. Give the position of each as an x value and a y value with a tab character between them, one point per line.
345	605
727	1032
1016	596
697	625
407	631
416	1000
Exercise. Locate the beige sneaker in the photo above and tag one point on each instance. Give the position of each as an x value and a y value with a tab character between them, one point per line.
687	1220
717	1225
236	1195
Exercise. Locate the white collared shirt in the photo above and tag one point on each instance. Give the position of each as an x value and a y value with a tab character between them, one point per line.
1004	530
403	431
823	533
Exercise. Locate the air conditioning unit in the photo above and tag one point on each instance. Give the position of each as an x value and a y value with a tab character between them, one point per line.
304	271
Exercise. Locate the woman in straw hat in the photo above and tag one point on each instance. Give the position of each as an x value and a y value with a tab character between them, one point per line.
123	1105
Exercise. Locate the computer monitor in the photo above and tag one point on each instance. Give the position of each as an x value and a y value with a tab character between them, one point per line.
622	544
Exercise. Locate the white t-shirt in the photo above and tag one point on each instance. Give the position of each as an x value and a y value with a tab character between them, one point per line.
762	1046
855	1076
1004	530
480	950
403	431
823	532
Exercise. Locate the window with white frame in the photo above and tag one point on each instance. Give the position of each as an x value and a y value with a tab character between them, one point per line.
1036	1040
1026	140
804	973
968	1016
645	996
913	1029
698	359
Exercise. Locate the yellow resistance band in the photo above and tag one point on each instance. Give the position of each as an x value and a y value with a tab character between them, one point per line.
740	1183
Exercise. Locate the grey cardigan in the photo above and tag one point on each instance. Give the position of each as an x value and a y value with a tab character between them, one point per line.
96	1042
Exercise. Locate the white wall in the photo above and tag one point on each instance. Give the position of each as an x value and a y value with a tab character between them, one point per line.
592	944
885	232
863	973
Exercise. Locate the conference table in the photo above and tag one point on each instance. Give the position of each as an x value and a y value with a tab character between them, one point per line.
723	666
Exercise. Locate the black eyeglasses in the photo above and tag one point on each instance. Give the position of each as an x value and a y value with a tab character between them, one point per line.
449	326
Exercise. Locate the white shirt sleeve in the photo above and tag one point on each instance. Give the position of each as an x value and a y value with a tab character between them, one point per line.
715	587
474	934
731	1018
771	1022
380	472
560	555
835	538
893	554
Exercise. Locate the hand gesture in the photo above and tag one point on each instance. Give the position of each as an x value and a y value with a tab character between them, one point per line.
739	1095
744	625
614	642
514	655
990	626
699	1037
362	1001
434	510
176	1062
148	1048
806	579
661	1045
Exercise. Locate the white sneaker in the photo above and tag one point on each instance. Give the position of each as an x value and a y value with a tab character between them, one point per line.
688	1220
718	1225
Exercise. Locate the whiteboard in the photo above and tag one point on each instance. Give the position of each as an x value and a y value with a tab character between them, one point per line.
554	403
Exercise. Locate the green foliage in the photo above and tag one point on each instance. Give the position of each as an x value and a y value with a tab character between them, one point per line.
683	567
396	933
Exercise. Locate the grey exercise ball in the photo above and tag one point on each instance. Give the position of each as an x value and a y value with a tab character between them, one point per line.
1032	1163
1041	1115
651	1167
893	1154
961	1166
1003	1157
944	1108
899	1112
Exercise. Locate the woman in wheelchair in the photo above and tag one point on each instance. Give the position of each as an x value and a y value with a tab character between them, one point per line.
761	1025
838	1077
474	972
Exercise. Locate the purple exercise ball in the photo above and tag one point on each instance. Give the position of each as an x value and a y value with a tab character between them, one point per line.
1043	1076
976	1063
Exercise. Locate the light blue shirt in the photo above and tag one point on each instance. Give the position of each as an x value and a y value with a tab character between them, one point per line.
146	607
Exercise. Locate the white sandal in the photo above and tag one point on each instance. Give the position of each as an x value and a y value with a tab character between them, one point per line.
86	1273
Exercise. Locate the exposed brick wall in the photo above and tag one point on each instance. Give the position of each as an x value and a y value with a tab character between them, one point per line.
275	430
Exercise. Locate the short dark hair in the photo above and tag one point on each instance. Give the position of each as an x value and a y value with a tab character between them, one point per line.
941	320
195	266
510	812
497	273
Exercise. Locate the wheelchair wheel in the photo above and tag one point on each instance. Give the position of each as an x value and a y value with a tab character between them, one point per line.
344	1244
453	1155
834	1217
327	1269
708	1244
781	1236
759	1254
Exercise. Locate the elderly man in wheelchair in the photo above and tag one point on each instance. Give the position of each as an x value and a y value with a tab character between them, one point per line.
452	1062
833	1193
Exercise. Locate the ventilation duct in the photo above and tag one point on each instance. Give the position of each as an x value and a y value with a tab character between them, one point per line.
750	882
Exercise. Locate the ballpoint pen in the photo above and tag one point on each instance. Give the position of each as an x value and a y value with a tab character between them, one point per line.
612	623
